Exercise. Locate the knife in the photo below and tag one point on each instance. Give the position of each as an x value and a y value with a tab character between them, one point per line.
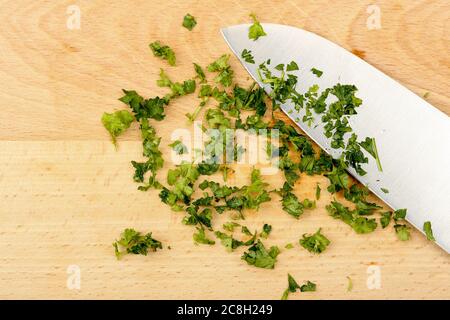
412	136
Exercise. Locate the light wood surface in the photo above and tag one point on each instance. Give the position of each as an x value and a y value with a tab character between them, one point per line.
66	194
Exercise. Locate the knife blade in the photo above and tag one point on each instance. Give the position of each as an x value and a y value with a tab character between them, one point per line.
412	136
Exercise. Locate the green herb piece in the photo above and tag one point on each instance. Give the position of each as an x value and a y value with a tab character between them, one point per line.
291	204
385	219
293	286
352	218
178	147
370	146
258	256
182	179
339	179
200	73
384	190
207	169
315	243
289	246
228	241
292	66
163	51
402	232
285	294
400	214
350	284
247	56
189	22
317	72
177	89
225	76
133	242
195	216
116	123
318	192
200	237
308	287
256	30
428	231
229	226
155	161
246	231
267	229
145	108
426	94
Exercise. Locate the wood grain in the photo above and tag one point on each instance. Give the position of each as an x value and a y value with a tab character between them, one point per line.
66	194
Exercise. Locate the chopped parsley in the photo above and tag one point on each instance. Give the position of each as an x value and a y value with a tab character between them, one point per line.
163	51
402	230
116	123
292	66
291	204
293	286
145	108
384	190
133	242
189	22
428	231
267	229
225	73
200	73
359	224
350	284
317	72
315	243
371	147
200	237
178	147
256	30
247	56
258	256
318	192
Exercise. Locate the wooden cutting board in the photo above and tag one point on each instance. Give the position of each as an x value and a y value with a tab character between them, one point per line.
66	193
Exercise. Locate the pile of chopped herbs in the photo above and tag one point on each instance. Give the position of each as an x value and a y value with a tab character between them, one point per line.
231	103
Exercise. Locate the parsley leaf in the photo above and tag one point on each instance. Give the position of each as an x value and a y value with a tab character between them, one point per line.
402	230
225	76
428	231
318	192
370	146
200	73
177	88
229	226
258	256
267	229
189	22
293	286
151	150
200	237
308	287
292	66
256	30
116	123
144	108
163	51
247	56
385	219
315	243
178	147
291	204
133	242
358	223
317	72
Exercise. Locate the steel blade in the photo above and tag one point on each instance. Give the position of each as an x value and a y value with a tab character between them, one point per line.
412	136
